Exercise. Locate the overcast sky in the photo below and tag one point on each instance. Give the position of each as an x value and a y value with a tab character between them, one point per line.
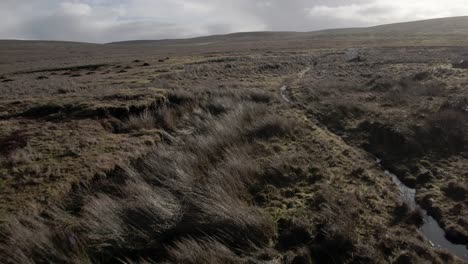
113	20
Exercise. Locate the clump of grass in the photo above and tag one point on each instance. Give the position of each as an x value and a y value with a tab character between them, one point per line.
170	76
456	190
336	234
335	240
456	103
179	97
404	213
24	155
396	95
445	131
162	118
259	96
293	233
167	118
219	106
65	90
29	239
13	142
144	120
272	126
336	116
209	250
102	222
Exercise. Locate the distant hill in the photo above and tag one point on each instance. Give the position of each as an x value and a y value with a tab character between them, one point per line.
438	26
455	26
434	32
242	36
48	43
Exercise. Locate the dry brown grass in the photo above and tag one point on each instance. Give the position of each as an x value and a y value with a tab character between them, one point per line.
210	251
445	132
144	120
197	186
26	155
12	142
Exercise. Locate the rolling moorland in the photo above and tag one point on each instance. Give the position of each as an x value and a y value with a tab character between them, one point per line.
337	146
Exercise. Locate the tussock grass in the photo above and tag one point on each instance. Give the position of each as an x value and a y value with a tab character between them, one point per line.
336	238
261	96
144	120
25	155
406	214
445	131
177	96
188	201
272	126
12	142
209	250
164	117
220	106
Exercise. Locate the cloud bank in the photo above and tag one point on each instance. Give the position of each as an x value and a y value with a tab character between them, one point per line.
114	20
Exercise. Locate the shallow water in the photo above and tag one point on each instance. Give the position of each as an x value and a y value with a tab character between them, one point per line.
431	229
283	94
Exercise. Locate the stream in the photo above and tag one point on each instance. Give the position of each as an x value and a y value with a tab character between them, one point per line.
431	229
283	94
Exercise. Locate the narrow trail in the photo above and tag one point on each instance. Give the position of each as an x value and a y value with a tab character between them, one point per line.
284	87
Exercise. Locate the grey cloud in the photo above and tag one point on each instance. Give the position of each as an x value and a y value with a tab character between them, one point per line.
106	20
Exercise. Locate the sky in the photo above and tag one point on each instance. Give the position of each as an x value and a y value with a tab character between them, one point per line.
102	21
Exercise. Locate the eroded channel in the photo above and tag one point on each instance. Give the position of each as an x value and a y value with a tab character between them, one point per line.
430	228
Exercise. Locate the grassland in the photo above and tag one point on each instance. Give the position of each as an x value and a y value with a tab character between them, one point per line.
412	116
191	154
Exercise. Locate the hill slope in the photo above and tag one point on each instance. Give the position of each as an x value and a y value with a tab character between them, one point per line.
439	26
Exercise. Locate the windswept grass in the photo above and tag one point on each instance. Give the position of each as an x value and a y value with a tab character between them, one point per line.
188	201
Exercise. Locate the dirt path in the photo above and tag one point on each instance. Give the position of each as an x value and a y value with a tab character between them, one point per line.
284	88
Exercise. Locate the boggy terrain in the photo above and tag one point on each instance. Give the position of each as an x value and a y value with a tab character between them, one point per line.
234	157
408	109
